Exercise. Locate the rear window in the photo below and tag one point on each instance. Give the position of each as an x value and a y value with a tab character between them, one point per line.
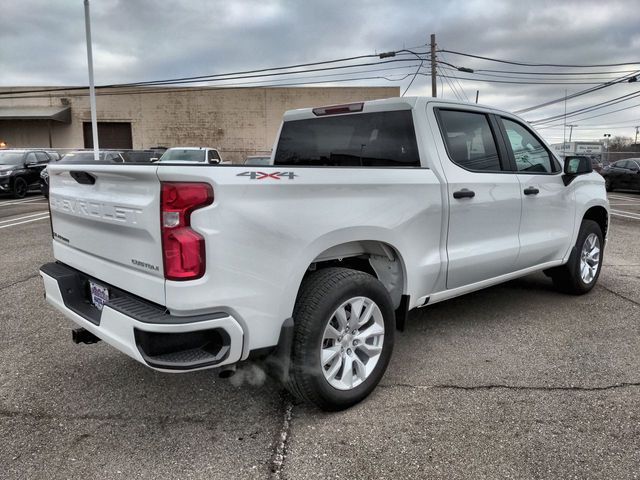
183	155
381	139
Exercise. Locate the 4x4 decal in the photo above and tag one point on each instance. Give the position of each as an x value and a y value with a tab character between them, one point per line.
255	175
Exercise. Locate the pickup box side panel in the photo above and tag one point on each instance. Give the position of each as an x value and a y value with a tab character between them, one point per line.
262	234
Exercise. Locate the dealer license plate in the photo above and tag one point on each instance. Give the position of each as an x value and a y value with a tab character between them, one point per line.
99	295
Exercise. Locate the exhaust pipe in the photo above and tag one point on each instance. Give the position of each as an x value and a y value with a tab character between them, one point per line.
80	335
228	371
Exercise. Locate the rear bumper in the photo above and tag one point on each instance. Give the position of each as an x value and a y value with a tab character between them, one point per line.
145	331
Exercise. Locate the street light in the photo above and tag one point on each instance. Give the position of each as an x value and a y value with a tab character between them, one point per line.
607	136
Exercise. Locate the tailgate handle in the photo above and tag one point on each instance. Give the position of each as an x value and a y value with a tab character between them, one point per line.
83	178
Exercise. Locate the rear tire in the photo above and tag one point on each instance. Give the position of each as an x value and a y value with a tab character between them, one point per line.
607	184
20	188
581	272
344	327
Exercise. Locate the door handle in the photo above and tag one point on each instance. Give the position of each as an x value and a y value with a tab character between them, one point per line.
464	193
531	191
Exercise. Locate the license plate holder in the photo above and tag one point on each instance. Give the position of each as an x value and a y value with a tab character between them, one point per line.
99	294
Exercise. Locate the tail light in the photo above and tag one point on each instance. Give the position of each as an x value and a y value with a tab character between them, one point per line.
183	249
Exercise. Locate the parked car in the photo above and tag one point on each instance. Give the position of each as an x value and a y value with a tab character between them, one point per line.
624	174
315	261
20	170
595	163
140	156
258	160
191	155
80	156
44	174
83	156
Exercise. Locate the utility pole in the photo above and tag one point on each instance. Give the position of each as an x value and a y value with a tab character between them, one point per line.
571	131
636	141
434	91
477	95
92	88
607	136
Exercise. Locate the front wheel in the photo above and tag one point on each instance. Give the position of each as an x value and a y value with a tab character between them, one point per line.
581	273
344	327
20	188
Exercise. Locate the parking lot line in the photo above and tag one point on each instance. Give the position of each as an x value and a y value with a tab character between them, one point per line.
625	212
613	214
17	202
625	198
23	217
32	220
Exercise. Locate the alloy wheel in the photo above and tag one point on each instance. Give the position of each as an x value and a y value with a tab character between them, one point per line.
590	258
352	343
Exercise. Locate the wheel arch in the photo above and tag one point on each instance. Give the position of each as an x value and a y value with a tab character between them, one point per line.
600	215
375	256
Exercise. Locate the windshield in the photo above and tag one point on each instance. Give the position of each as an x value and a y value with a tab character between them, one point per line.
183	155
11	158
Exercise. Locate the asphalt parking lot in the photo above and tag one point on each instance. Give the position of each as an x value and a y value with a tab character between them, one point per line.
516	381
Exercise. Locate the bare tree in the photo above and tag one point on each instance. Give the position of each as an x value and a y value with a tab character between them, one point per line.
619	143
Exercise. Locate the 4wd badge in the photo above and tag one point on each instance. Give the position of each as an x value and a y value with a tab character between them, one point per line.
254	175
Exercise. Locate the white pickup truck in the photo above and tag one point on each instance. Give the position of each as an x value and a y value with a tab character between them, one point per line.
367	211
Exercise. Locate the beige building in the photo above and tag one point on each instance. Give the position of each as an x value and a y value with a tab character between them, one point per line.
237	121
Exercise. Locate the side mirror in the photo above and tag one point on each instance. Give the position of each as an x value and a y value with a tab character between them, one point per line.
154	159
214	161
574	166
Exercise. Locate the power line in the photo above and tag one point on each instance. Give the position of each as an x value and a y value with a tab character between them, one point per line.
458	83
591	108
239	74
593	116
160	89
415	74
451	85
626	123
553	73
534	79
487	80
577	94
528	64
20	94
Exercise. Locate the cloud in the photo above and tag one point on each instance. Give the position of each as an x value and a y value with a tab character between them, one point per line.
139	40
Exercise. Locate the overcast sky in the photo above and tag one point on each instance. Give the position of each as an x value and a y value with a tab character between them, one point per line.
42	43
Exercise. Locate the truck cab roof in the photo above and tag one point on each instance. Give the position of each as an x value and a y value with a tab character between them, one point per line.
386	104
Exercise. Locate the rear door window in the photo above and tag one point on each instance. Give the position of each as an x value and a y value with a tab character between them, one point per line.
380	139
31	158
470	141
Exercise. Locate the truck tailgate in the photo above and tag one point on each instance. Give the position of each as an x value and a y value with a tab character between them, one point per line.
106	223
